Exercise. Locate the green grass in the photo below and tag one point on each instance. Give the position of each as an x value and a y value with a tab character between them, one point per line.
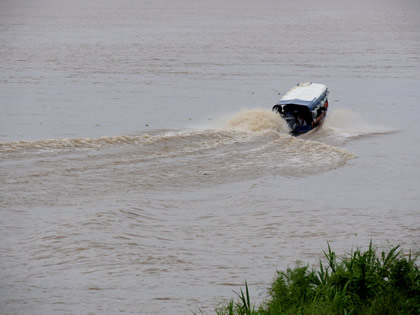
359	283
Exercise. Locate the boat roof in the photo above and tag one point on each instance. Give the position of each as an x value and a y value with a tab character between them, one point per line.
306	94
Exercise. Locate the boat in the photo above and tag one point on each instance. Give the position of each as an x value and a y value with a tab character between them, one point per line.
304	107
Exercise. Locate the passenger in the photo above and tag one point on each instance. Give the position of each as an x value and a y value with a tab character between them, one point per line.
316	121
301	120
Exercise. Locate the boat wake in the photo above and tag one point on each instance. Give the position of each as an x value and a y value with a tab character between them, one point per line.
343	125
249	144
257	120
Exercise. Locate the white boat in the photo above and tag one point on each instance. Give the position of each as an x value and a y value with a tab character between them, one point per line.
304	107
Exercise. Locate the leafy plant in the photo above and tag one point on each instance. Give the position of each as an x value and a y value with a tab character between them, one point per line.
358	283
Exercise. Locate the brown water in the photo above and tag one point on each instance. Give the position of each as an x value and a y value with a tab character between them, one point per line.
142	170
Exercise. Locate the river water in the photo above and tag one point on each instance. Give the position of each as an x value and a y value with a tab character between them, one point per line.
142	170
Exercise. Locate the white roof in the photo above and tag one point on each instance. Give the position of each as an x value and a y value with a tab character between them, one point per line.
304	94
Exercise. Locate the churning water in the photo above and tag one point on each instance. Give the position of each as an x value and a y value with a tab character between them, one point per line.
143	171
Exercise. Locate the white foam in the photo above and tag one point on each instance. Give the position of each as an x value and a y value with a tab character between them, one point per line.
353	124
342	125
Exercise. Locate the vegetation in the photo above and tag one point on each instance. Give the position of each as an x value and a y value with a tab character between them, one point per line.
360	283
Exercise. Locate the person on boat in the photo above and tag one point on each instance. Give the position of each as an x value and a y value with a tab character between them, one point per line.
301	120
321	114
318	118
316	121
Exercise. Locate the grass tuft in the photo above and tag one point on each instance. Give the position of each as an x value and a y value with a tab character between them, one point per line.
359	283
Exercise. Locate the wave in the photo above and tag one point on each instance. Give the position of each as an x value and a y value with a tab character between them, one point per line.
257	120
340	126
343	125
239	126
250	142
54	144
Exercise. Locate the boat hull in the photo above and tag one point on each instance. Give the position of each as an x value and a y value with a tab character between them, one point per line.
300	130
